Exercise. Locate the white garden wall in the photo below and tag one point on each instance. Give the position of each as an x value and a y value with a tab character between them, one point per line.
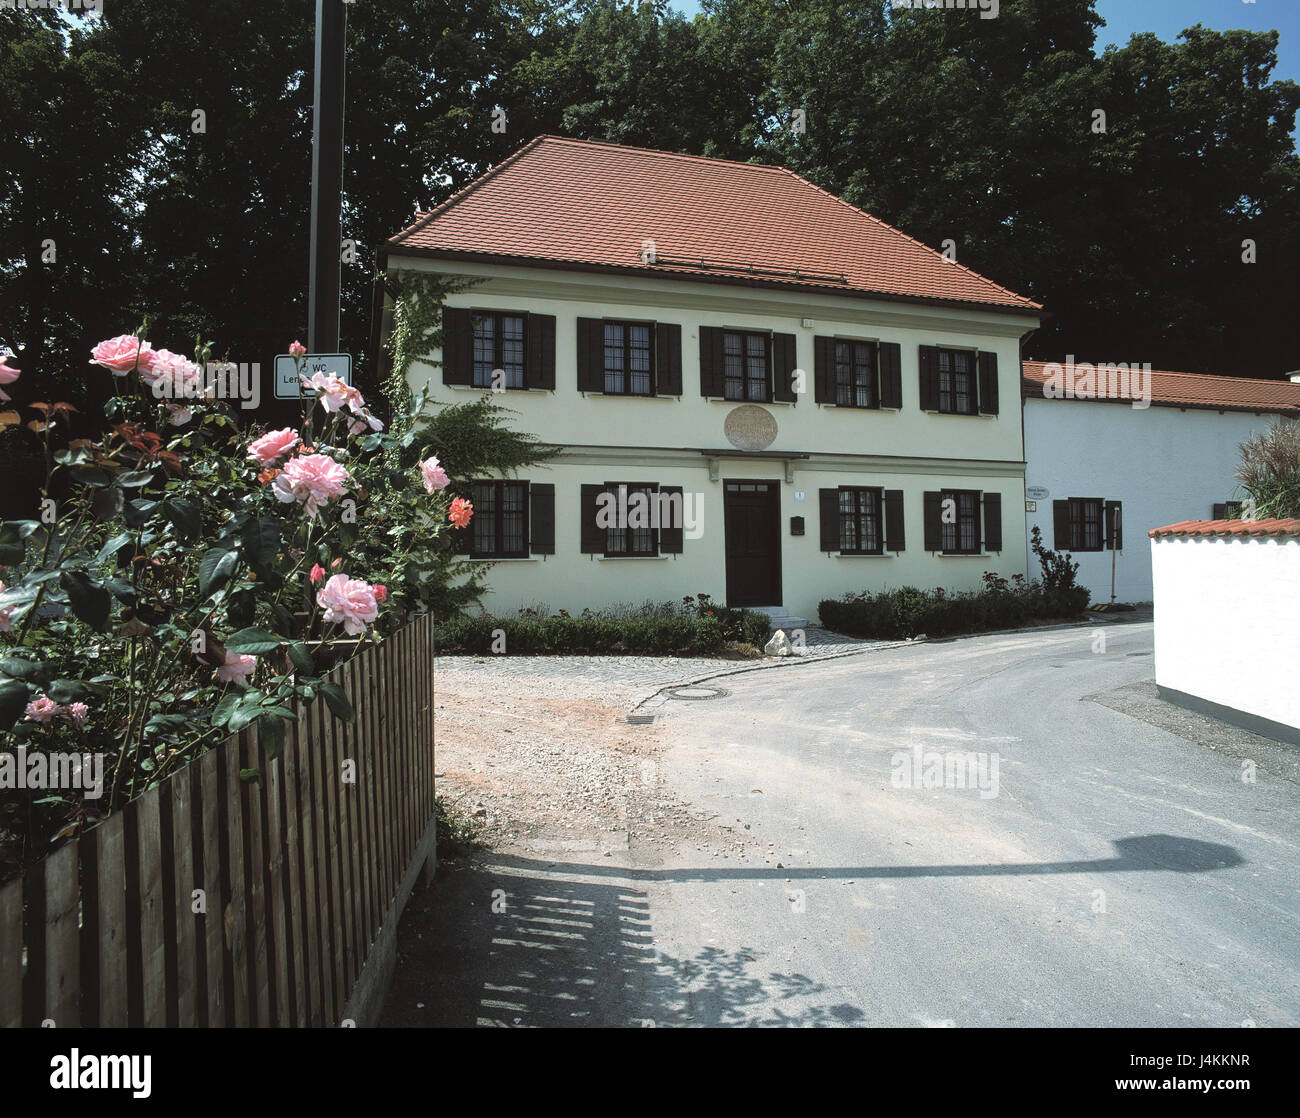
1227	623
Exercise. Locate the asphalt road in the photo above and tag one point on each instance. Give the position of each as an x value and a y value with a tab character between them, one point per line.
1118	867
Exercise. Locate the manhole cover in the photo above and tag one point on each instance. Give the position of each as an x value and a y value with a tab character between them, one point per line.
696	693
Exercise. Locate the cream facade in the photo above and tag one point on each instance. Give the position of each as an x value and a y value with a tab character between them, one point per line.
686	440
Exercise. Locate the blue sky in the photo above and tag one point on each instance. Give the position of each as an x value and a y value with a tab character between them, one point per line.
1168	17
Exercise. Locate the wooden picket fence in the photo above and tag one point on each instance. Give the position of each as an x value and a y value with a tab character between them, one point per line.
302	876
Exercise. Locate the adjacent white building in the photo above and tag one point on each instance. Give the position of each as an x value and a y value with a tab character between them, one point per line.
1118	456
815	402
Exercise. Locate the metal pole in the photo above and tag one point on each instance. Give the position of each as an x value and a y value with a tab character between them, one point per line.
326	179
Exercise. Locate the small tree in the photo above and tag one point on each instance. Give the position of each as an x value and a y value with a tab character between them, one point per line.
1270	470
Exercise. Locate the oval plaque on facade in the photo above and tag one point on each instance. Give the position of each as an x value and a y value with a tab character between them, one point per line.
750	427
1037	492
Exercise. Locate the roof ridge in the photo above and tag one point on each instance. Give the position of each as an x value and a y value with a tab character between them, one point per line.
908	236
661	151
1183	373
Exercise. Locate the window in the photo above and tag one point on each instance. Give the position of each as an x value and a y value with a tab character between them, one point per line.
860	514
956	368
959	522
629	520
498	344
1085	524
628	359
746	364
855	374
500	523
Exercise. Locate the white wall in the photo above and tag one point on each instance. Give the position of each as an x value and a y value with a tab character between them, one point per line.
1165	464
1227	622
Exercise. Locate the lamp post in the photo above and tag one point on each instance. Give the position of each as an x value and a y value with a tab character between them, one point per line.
326	179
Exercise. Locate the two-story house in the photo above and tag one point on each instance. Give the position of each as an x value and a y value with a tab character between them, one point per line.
762	392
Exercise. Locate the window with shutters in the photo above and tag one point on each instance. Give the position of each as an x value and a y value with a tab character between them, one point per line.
855	374
1086	524
956	376
860	521
498	344
629	358
500	524
746	366
959	523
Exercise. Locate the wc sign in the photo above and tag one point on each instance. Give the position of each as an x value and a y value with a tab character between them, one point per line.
287	384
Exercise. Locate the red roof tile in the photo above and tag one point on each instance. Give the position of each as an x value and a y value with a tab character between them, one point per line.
589	205
1195	390
1276	527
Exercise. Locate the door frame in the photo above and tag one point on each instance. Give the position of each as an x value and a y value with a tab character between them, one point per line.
774	492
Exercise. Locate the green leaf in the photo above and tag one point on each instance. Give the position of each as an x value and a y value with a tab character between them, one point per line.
250	776
255	642
301	658
92	475
270	735
113	546
122	590
185	515
242	715
133	479
89	601
69	691
18	596
138	511
337	700
34	671
14	697
12	535
225	708
216	567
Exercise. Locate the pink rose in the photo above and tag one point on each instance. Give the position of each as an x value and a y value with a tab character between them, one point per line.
350	601
8	375
312	480
78	714
364	419
121	354
297	349
435	477
272	445
43	710
334	392
317	572
236	669
177	414
381	592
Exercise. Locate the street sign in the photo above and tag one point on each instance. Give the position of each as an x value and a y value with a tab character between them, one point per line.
287	384
1037	492
1031	506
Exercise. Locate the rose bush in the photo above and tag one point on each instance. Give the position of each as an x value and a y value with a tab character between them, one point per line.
186	578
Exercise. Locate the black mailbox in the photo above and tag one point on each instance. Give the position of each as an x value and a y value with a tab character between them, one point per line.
796	525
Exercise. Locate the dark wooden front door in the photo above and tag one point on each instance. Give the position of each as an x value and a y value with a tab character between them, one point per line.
753	525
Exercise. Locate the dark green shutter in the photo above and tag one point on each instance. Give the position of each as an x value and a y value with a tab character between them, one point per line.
934	522
992	521
593	536
1061	525
929	380
457	346
1220	512
828	501
668	359
672	522
1114	514
591	355
824	370
539	348
783	367
541	500
988	383
711	361
894	539
891	375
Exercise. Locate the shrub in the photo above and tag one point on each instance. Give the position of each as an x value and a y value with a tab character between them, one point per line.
1270	470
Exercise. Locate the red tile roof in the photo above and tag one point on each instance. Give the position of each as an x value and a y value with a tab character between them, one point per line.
1276	527
588	206
1195	390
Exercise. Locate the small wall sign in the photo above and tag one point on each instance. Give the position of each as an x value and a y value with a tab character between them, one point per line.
798	494
1037	492
287	385
1031	506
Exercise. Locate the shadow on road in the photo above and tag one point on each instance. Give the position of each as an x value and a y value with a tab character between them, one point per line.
510	941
